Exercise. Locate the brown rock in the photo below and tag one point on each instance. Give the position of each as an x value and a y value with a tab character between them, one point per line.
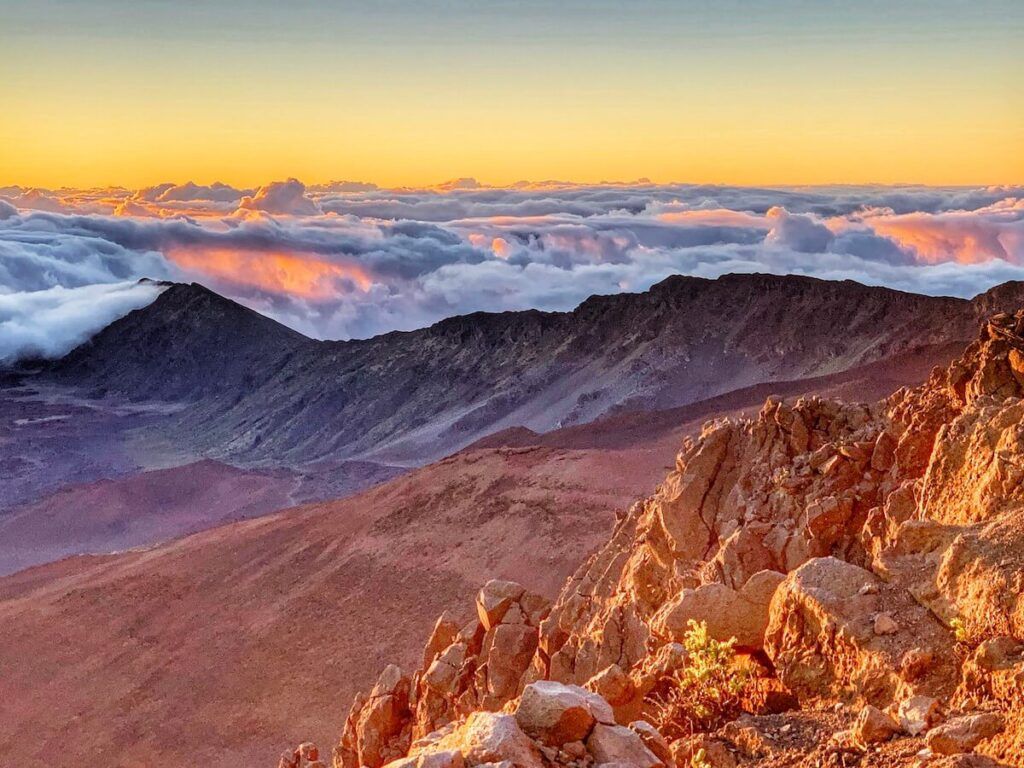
306	755
963	734
653	740
494	599
884	624
508	649
970	760
821	635
554	713
741	614
612	684
874	726
443	635
619	744
382	726
450	758
489	737
918	713
916	663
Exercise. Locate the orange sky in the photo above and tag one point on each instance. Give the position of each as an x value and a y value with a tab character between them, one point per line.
413	93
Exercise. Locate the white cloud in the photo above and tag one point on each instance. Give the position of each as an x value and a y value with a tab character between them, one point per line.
287	197
380	260
52	322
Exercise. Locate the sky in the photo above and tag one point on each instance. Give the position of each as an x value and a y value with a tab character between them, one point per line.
351	169
409	93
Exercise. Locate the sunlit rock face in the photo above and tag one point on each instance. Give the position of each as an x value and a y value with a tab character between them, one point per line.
868	558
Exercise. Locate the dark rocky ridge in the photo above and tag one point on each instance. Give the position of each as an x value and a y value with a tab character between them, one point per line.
260	392
190	343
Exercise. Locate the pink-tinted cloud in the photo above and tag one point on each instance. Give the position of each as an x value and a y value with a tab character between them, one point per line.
995	232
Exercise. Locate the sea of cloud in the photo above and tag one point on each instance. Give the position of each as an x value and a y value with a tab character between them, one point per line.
350	260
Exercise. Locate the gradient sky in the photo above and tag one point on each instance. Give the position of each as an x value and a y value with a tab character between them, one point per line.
404	92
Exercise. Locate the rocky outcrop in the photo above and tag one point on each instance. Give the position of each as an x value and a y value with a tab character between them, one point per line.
306	755
826	637
868	559
478	666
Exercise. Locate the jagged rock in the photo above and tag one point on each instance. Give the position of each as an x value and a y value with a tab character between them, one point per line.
842	542
378	730
450	758
963	734
445	632
653	740
508	650
918	713
613	685
494	600
874	726
619	744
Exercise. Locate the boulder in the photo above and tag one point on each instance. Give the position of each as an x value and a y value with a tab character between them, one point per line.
619	744
963	734
821	636
918	713
451	758
874	726
613	685
653	740
382	723
555	714
729	613
490	737
508	650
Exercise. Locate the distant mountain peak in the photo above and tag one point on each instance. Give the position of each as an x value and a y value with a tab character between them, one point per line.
189	343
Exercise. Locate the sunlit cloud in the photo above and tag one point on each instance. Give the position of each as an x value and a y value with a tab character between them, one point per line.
350	260
994	232
299	275
288	197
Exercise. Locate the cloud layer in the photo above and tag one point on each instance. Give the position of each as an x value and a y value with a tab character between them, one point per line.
349	259
51	322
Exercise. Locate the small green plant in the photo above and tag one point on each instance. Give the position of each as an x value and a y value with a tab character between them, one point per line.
707	692
959	628
699	759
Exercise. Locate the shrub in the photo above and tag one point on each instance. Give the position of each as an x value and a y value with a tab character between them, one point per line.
707	692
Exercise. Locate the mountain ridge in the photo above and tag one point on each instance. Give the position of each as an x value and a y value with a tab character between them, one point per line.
258	392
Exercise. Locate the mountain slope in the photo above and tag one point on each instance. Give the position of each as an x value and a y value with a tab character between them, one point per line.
411	397
188	344
227	645
205	650
141	509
